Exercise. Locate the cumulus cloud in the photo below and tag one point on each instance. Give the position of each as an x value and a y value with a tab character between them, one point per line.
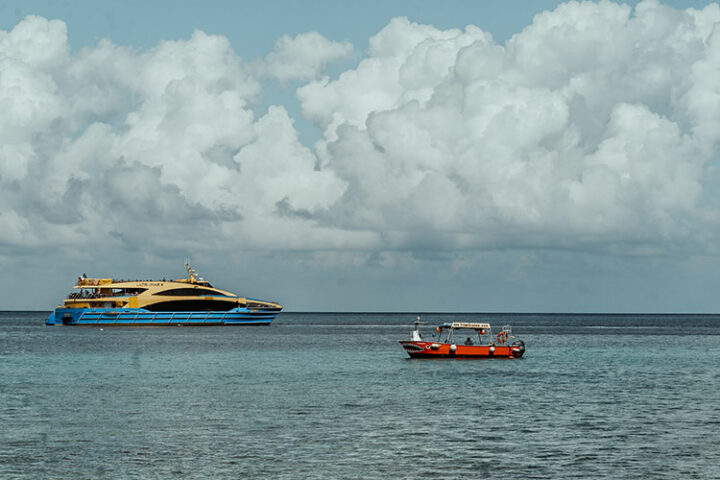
594	127
112	145
303	57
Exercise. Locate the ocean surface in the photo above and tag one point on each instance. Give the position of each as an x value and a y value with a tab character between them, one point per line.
333	396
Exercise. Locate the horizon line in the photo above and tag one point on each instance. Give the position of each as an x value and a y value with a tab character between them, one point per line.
399	312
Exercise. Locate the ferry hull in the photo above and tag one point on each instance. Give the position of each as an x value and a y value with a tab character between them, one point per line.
447	350
138	317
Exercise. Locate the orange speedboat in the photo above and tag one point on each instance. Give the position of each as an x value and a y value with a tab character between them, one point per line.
464	340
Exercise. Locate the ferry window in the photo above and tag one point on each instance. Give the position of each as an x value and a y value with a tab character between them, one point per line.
192	305
134	291
127	291
190	292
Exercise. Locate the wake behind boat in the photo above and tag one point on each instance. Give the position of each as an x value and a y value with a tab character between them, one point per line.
464	340
186	301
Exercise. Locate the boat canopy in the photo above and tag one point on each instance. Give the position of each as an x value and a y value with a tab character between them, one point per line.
476	326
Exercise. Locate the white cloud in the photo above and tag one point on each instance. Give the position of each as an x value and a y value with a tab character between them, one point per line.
595	127
303	57
111	146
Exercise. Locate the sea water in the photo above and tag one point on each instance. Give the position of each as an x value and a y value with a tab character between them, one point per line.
334	396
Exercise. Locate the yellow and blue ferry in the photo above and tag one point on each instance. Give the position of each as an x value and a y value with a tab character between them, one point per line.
186	301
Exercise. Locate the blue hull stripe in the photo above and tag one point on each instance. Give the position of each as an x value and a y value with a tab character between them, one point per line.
128	316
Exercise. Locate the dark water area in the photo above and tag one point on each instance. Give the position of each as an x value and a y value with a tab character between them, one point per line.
333	395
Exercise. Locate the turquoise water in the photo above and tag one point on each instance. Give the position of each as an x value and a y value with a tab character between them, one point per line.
334	396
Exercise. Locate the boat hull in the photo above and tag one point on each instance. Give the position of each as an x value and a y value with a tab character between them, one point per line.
139	317
448	350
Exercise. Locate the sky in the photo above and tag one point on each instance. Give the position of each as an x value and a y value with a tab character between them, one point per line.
366	156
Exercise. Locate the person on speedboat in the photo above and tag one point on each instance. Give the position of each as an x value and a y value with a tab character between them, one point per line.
415	335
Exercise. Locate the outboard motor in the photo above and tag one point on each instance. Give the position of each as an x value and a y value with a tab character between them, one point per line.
517	348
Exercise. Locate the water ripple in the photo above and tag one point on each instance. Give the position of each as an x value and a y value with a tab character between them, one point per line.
332	396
